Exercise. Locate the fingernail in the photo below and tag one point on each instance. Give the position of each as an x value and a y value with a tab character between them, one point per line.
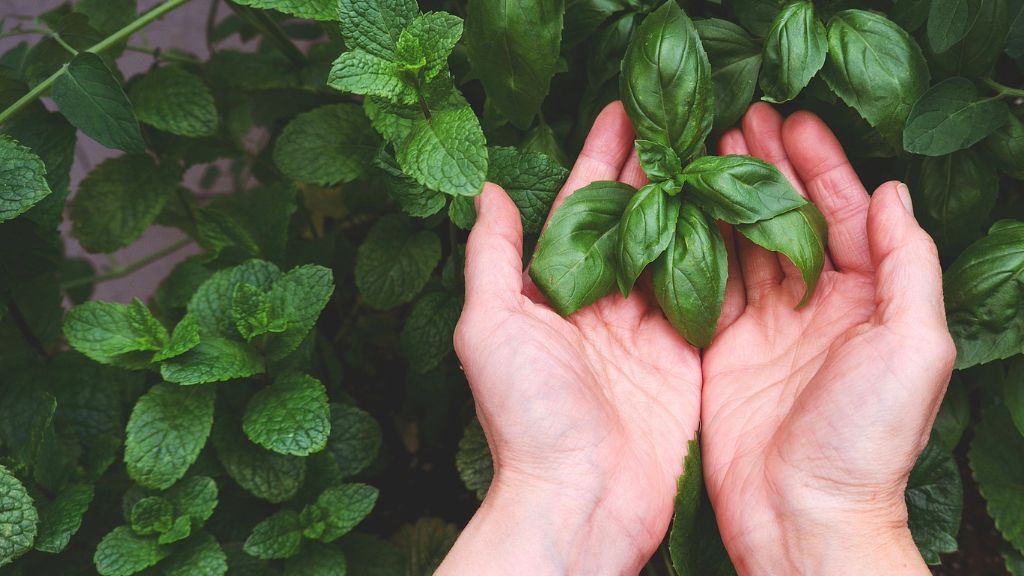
904	194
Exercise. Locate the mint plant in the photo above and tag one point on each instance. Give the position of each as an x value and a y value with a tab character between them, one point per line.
287	401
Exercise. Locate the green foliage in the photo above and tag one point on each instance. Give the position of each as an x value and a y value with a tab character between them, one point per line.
241	418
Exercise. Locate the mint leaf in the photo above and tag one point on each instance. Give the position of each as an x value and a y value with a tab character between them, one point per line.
92	99
437	33
934	497
951	116
999	477
267	475
151	515
117	334
211	302
119	199
324	10
194	498
22	181
429	329
290	416
251	308
532	180
213	360
448	152
184	338
342	508
123	553
329	145
375	25
175	101
473	460
694	542
414	198
395	261
26	416
317	560
200	555
18	518
276	537
361	73
60	519
181	529
167	429
372	556
53	139
296	300
355	439
425	543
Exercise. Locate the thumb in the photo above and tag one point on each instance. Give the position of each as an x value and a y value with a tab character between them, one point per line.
908	276
494	253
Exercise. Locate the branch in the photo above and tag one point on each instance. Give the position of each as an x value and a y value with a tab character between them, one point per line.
122	271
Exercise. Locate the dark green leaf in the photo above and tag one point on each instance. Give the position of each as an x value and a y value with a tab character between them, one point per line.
954	414
22	180
1006	147
793	52
934	497
425	544
355	439
329	145
427	335
176	101
375	25
200	555
659	162
340	509
531	179
976	54
800	235
739	189
756	16
951	116
473	460
60	519
735	62
166	431
575	260
123	553
694	543
290	416
325	10
264	474
279	536
609	47
949	21
18	518
92	99
1013	393
214	359
448	152
647	227
118	334
954	197
999	474
395	262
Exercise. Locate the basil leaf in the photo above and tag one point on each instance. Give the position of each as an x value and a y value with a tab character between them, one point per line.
976	54
951	116
513	47
909	14
665	83
609	47
954	197
800	235
949	21
690	276
1015	39
647	226
793	52
984	292
876	68
92	99
659	162
584	17
739	189
735	61
574	265
756	15
1006	147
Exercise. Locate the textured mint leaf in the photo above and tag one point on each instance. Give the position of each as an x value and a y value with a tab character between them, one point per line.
429	329
175	101
251	308
372	556
425	543
200	555
290	416
355	439
296	300
375	25
213	360
181	529
473	460
195	498
276	537
118	334
324	10
437	33
391	122
22	179
123	553
92	99
211	302
331	144
951	116
999	472
26	417
462	212
51	137
60	519
414	198
184	338
447	152
531	179
251	71
317	560
119	199
167	429
264	474
362	73
152	515
395	261
735	59
342	508
934	497
107	16
18	518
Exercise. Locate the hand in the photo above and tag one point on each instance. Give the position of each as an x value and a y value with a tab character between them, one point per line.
587	417
813	418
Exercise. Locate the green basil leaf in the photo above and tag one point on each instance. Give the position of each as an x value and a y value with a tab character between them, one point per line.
739	189
800	235
999	477
756	16
1006	147
660	163
609	47
513	47
984	292
876	68
584	17
951	116
793	52
935	501
666	82
976	54
909	14
690	276
1015	39
647	227
735	62
949	21
574	265
954	196
92	99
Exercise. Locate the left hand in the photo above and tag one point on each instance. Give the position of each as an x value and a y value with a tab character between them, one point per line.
587	417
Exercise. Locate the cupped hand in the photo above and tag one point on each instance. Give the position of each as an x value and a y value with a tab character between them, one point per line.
587	417
812	418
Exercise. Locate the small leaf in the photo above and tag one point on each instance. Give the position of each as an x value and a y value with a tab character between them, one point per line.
342	508
375	25
296	300
800	235
448	152
214	359
473	460
739	189
116	334
151	515
659	162
934	497
329	145
92	99
358	72
949	21
355	439
18	518
647	226
735	62
317	560
290	416
123	553
22	180
954	197
264	474
60	520
793	52
1006	147
175	101
395	262
324	10
998	473
951	116
532	180
276	537
428	331
200	555
167	429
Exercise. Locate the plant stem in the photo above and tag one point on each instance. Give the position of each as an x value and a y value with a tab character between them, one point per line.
1003	89
266	26
158	54
71	49
24	32
122	271
122	34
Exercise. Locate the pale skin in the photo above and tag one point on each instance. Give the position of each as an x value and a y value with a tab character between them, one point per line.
811	419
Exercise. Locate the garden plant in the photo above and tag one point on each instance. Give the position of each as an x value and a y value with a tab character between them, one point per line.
288	402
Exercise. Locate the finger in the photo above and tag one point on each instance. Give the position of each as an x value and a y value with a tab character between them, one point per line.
494	254
760	268
603	154
833	186
632	172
